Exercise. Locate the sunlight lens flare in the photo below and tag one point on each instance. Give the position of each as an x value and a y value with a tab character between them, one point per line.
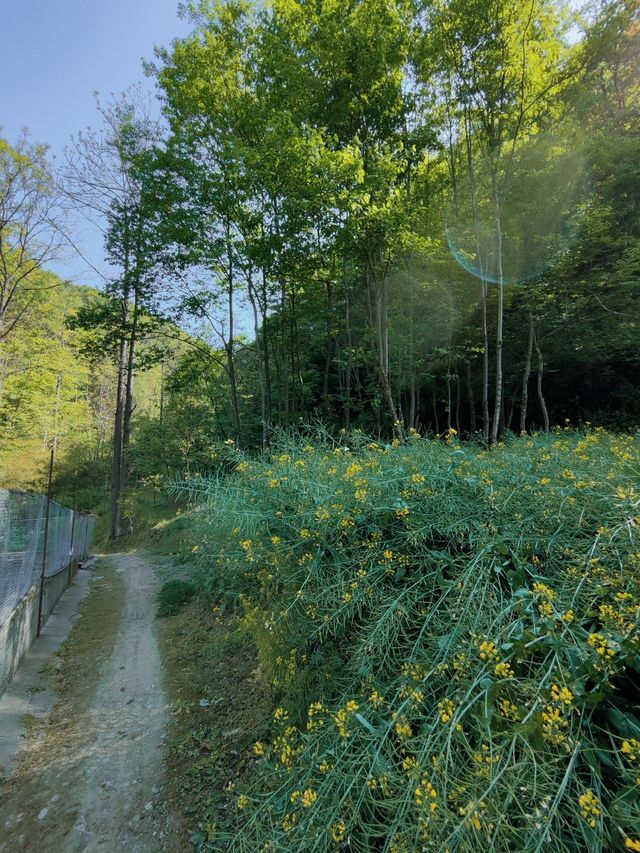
523	223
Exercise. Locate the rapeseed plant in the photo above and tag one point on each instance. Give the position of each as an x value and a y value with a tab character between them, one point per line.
452	637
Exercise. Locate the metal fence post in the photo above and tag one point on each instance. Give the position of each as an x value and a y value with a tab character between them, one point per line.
46	539
73	526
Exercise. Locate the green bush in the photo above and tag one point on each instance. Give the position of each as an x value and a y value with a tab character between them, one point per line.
451	637
173	595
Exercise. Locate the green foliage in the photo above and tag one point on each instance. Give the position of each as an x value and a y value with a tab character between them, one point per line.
173	596
48	392
32	218
194	415
314	177
452	636
57	384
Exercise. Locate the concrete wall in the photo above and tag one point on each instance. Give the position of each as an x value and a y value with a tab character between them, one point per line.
18	632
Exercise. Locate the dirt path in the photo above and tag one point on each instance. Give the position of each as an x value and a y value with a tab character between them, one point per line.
91	777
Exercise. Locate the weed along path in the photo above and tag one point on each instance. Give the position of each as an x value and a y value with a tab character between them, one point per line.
91	776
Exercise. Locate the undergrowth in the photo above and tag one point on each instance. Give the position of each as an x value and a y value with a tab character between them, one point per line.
173	595
217	708
451	638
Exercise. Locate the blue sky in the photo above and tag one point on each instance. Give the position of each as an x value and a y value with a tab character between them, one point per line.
56	54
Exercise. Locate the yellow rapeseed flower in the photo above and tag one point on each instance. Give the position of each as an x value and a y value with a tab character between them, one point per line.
376	699
590	808
403	728
561	694
631	750
600	643
425	792
289	822
338	831
308	798
503	670
488	650
446	710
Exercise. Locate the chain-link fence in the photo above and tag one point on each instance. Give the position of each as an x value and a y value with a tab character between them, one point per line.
22	543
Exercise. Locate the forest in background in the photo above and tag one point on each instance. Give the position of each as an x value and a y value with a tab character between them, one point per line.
58	387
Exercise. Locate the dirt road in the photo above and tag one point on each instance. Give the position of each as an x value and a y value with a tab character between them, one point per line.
91	776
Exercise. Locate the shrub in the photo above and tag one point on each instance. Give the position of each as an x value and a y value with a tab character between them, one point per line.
173	595
452	639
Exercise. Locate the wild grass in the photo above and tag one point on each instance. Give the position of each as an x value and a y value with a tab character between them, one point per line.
451	637
173	595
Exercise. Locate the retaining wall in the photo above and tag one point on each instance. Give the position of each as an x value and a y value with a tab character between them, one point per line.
18	632
38	537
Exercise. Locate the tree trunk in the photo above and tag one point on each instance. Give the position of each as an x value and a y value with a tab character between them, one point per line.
128	396
486	421
296	363
233	387
435	409
3	364
349	368
525	380
543	405
327	347
471	398
512	407
231	364
499	332
123	387
116	464
253	299
412	401
264	307
284	356
382	345
412	348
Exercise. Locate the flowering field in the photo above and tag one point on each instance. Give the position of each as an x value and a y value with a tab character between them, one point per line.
452	641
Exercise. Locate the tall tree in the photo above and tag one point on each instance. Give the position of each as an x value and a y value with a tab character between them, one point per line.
505	64
31	227
109	175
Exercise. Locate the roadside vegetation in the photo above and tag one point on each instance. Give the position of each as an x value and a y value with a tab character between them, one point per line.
219	706
450	638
